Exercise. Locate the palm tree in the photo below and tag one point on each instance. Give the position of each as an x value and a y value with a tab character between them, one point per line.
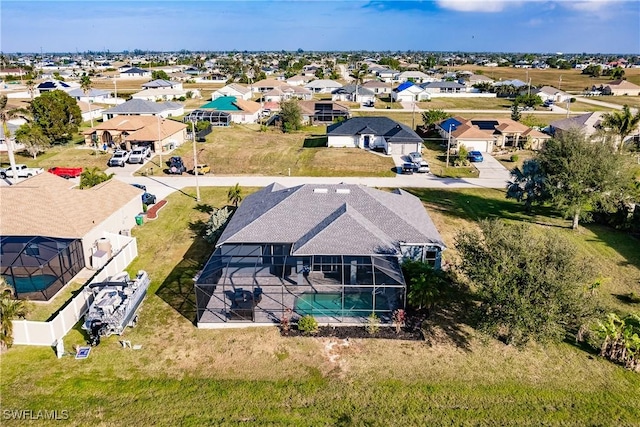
358	75
31	88
7	114
622	123
85	85
10	308
234	195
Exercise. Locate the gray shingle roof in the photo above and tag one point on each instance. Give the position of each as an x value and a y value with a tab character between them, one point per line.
393	131
158	83
336	219
140	106
443	85
350	89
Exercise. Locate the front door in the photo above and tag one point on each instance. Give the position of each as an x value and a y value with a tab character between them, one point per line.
366	141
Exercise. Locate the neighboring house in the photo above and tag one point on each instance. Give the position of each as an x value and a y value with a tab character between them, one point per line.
444	87
487	135
353	93
384	74
322	112
135	73
338	258
588	123
40	253
262	86
284	92
550	93
374	133
127	131
162	84
241	111
299	80
413	76
515	83
90	111
621	87
378	87
92	96
233	89
165	94
141	107
474	79
409	92
51	85
322	86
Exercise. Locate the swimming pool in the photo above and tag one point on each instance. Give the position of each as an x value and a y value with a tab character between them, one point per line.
330	304
31	284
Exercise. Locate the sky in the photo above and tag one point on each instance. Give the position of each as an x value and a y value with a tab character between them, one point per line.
545	26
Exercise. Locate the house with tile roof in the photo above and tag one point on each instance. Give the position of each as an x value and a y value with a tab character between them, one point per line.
141	107
322	112
373	133
261	270
127	131
487	135
550	93
414	76
43	252
378	87
241	111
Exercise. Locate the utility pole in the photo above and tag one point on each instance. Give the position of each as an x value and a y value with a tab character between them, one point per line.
449	144
195	159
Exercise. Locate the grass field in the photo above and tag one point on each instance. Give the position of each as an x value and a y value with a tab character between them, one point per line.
196	377
241	149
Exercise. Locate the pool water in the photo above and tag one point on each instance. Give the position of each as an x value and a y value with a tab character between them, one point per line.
330	304
31	284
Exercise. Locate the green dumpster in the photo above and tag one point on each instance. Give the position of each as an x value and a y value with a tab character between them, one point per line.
139	219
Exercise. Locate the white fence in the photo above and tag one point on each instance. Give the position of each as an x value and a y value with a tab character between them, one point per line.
29	332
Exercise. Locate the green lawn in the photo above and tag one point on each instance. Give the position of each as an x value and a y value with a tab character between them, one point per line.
196	377
244	149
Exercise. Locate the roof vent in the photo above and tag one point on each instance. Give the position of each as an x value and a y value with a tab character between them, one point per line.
343	191
321	190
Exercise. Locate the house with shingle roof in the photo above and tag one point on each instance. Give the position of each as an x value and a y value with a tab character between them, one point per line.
135	73
338	258
93	95
325	112
41	252
588	123
621	87
353	93
550	93
141	107
284	92
322	86
378	87
409	92
233	89
372	133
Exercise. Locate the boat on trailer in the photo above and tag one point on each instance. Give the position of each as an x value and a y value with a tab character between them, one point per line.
115	305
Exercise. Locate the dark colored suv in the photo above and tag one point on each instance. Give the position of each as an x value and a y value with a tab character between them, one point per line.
176	166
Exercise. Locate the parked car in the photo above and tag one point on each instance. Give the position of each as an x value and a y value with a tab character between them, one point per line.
422	167
66	173
176	165
22	171
409	167
475	156
138	154
119	158
148	199
415	157
140	186
201	170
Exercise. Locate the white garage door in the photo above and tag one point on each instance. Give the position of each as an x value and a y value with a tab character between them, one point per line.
482	146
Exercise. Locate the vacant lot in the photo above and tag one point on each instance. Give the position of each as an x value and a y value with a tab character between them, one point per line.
228	377
70	155
240	149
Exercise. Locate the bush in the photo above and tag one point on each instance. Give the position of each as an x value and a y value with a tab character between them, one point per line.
373	324
308	325
514	158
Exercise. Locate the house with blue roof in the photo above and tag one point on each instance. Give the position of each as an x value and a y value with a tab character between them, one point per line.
372	133
409	92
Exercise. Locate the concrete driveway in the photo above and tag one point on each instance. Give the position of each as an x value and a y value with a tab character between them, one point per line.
490	168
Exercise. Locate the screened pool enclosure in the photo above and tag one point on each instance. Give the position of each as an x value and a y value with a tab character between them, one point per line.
38	267
216	118
260	283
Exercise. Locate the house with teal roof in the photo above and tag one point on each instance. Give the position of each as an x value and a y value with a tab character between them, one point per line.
241	110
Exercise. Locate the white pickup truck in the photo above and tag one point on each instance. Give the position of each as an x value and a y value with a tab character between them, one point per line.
22	170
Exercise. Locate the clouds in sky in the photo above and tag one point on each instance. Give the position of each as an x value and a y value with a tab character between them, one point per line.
438	25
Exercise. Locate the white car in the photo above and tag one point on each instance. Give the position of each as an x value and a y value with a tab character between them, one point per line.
138	154
119	158
415	157
422	167
22	171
